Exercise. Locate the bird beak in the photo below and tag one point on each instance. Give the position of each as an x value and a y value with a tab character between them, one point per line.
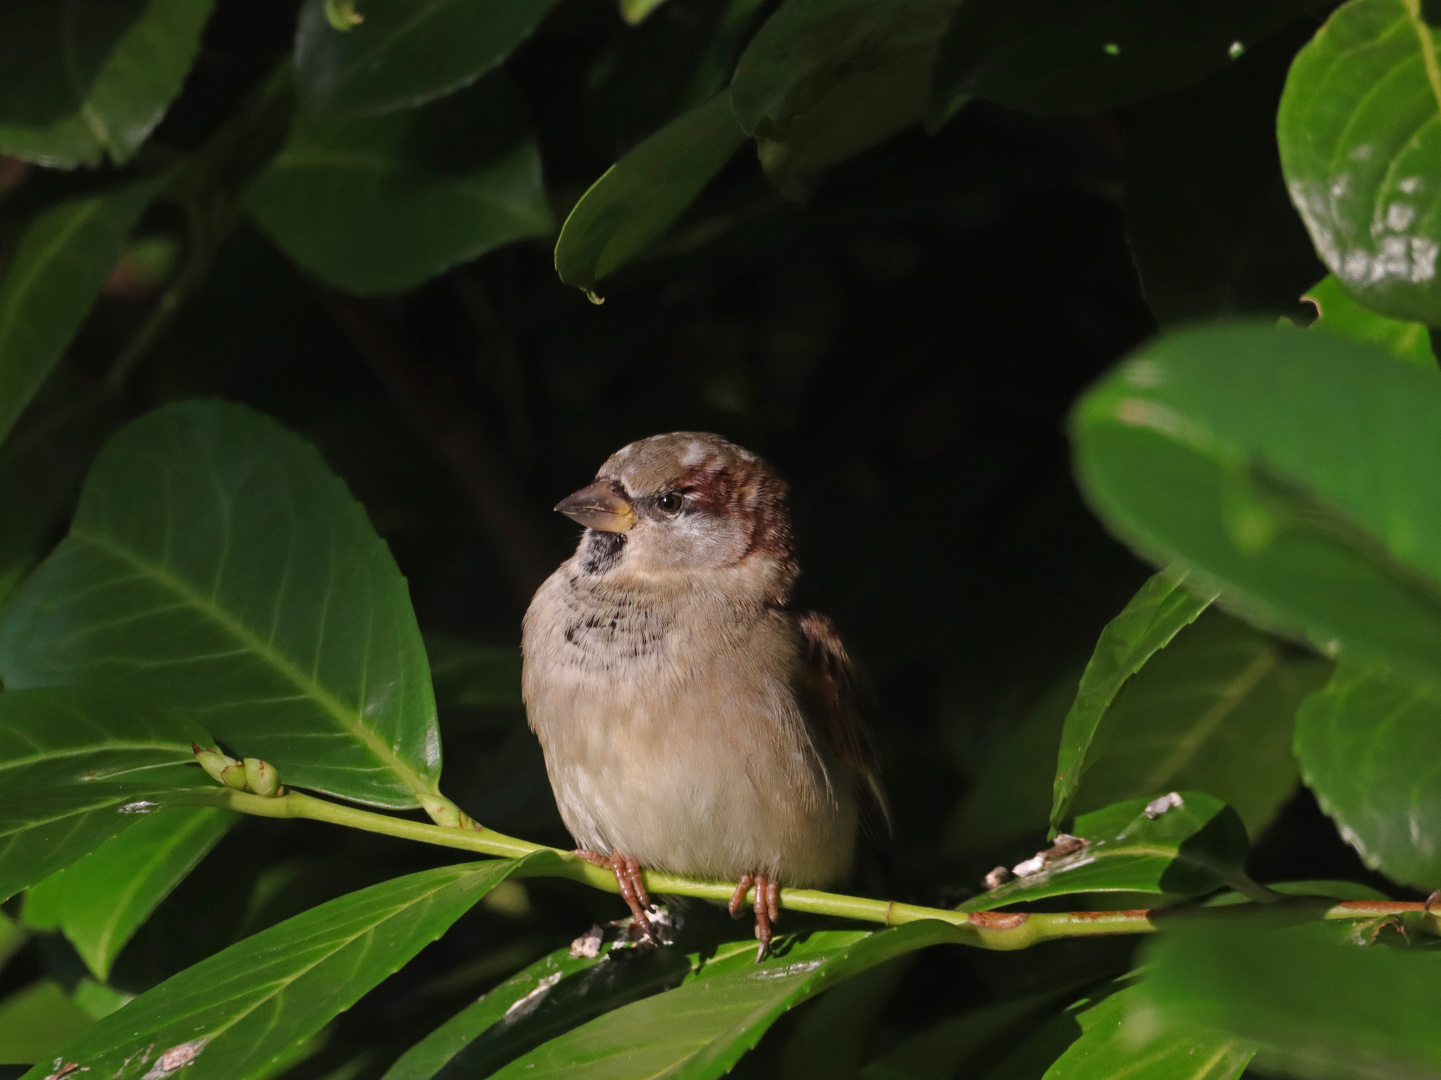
600	507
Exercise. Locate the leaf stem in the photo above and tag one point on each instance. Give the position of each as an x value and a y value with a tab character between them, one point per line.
996	930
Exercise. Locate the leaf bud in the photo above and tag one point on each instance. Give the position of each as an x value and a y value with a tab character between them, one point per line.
213	762
233	776
261	778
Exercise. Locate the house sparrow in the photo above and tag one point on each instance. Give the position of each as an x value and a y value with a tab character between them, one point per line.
694	719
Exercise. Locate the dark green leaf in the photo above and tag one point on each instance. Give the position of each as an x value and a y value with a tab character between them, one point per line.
379	204
55	274
832	1034
1318	519
100	901
825	79
1207	216
1317	1007
404	52
37	1022
701	1029
240	583
1368	744
231	1012
76	769
87	79
468	675
1338	313
13	937
643	193
1357	129
1136	846
1153	617
1107	1049
1064	56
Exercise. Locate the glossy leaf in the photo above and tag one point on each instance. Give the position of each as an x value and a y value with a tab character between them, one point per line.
1207	216
58	268
1108	1049
1316	1004
1319	520
553	995
90	79
643	193
1062	56
1159	611
823	80
404	52
285	983
1338	313
77	769
36	1023
701	1029
1360	134
240	583
1368	744
1185	849
379	204
100	901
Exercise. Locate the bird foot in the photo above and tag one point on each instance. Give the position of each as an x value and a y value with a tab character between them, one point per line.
766	905
632	887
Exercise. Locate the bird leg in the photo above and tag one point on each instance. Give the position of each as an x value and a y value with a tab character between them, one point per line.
632	888
766	905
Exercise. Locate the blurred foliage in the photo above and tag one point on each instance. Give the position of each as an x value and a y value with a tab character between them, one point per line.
310	310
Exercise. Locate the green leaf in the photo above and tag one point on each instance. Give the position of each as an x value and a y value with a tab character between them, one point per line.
100	901
1207	216
1213	712
1162	607
87	79
701	1029
379	204
232	1010
37	1022
54	276
1318	520
468	675
1107	1049
1358	129
1367	745
643	193
1316	1006
75	770
553	995
1338	313
635	11
831	1035
1187	849
825	79
1052	56
215	565
404	52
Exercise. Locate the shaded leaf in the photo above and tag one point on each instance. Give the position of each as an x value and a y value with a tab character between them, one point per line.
469	675
643	193
101	900
1162	607
75	770
1316	1007
1061	56
217	566
1106	1049
403	52
831	1035
1318	520
53	278
1184	849
90	79
1338	313
232	1010
1368	744
37	1022
379	204
1360	134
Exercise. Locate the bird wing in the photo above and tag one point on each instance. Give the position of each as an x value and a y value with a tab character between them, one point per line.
839	716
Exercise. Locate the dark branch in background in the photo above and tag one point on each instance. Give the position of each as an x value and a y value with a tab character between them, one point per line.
437	407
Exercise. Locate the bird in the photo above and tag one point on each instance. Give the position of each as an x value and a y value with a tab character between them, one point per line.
695	716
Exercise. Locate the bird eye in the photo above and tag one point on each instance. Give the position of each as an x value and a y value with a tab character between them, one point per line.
670	502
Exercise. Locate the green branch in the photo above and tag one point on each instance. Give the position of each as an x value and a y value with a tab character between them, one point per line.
998	930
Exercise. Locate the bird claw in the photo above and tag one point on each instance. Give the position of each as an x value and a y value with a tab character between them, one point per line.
766	905
632	887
